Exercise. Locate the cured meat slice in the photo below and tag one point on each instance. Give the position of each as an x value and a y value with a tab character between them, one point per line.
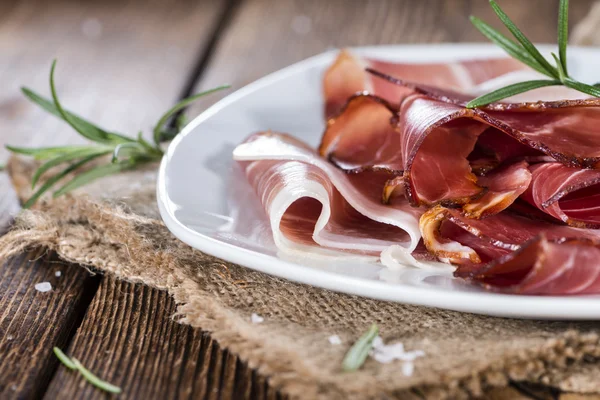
306	210
363	137
347	76
311	202
542	267
437	138
436	141
504	231
570	195
504	185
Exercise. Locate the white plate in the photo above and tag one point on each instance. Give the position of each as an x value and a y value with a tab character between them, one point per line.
205	202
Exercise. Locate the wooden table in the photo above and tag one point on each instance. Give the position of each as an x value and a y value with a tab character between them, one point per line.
120	64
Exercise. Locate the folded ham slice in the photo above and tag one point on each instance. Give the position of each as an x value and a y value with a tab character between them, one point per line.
363	137
311	203
570	195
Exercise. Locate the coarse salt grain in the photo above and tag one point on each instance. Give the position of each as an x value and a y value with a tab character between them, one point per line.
385	354
43	287
408	368
334	339
256	319
57	274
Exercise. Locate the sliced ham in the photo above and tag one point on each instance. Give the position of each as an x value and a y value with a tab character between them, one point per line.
489	237
437	134
503	186
363	137
571	195
310	202
542	267
347	76
406	174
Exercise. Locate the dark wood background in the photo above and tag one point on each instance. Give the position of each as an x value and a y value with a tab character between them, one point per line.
121	63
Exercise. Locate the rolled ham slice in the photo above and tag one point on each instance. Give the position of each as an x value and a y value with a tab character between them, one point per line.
311	203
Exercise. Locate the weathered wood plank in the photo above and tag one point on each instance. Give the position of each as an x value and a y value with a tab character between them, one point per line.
129	338
32	322
121	63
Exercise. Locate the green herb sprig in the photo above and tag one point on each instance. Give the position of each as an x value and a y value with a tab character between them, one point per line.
75	365
524	51
127	152
356	356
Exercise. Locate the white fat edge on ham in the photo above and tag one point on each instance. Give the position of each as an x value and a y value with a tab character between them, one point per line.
272	146
396	257
286	196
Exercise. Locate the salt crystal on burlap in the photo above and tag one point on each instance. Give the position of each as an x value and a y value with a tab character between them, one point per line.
386	353
256	319
334	339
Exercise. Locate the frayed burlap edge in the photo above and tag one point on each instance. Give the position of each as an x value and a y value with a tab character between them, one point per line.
83	238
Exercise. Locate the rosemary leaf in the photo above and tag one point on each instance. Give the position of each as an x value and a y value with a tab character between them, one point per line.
563	33
180	122
54	179
582	87
70	156
64	358
513	49
151	149
49	106
93	174
94	380
356	356
127	150
43	153
179	106
509	91
87	130
559	67
521	38
75	365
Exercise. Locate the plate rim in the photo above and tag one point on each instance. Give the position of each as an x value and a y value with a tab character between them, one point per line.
484	303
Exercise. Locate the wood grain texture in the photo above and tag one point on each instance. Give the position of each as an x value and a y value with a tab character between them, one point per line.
267	35
121	64
32	322
129	338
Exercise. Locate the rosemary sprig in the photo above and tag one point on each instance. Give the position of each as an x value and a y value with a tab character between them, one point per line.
127	152
356	356
75	365
64	358
523	50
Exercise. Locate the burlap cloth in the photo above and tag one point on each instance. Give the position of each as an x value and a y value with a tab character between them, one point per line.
113	227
